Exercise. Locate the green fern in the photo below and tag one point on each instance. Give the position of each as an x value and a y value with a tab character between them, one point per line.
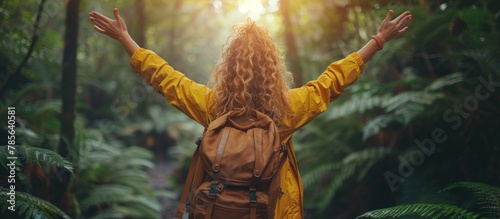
115	181
358	104
378	123
39	156
486	196
28	206
107	194
112	196
434	211
342	171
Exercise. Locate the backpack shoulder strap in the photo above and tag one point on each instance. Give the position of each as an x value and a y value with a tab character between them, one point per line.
192	166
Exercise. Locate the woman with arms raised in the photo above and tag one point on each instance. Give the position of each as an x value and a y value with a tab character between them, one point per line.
251	75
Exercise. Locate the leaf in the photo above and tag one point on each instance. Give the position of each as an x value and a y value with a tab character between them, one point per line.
486	196
31	207
434	211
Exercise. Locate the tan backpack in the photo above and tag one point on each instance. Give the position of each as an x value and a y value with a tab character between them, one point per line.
234	172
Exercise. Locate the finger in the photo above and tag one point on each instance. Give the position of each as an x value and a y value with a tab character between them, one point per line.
403	15
117	14
389	15
404	21
100	30
98	15
403	30
99	22
118	17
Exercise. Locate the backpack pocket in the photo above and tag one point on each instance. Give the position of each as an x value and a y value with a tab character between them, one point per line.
231	202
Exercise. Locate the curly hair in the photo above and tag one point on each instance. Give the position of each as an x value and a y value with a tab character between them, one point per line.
250	75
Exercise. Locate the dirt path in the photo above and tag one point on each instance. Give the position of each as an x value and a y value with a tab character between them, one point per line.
159	179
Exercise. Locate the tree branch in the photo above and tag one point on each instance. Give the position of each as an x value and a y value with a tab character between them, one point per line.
34	40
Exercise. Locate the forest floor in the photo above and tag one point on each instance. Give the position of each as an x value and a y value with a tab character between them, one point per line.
159	178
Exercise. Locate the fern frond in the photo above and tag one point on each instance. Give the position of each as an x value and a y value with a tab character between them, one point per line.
378	123
134	210
314	175
34	155
341	171
106	194
110	213
444	81
30	206
357	105
44	156
135	179
132	162
339	178
411	104
434	211
365	154
122	201
148	202
487	196
138	152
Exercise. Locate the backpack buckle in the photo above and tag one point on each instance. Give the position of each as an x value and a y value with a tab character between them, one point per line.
253	197
213	189
198	141
283	148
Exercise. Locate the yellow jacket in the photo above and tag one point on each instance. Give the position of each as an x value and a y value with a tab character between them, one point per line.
307	102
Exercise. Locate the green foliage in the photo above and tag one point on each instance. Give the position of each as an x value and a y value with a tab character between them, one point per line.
435	211
337	173
28	206
113	179
34	155
487	197
404	91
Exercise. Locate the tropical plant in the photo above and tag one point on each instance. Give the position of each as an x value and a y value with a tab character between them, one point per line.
28	206
481	201
113	180
403	92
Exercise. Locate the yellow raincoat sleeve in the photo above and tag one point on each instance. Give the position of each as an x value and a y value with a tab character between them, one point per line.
313	98
307	102
180	91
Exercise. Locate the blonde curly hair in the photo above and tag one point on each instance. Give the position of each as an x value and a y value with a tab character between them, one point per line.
250	75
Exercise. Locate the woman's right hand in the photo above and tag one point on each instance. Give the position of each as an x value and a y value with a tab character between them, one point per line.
115	29
389	29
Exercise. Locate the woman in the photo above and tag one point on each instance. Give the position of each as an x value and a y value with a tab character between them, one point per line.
250	75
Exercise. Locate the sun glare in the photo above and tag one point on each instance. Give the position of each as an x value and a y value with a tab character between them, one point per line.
253	8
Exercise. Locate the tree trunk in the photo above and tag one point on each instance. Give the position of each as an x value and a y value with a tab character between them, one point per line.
290	42
62	194
141	23
68	82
